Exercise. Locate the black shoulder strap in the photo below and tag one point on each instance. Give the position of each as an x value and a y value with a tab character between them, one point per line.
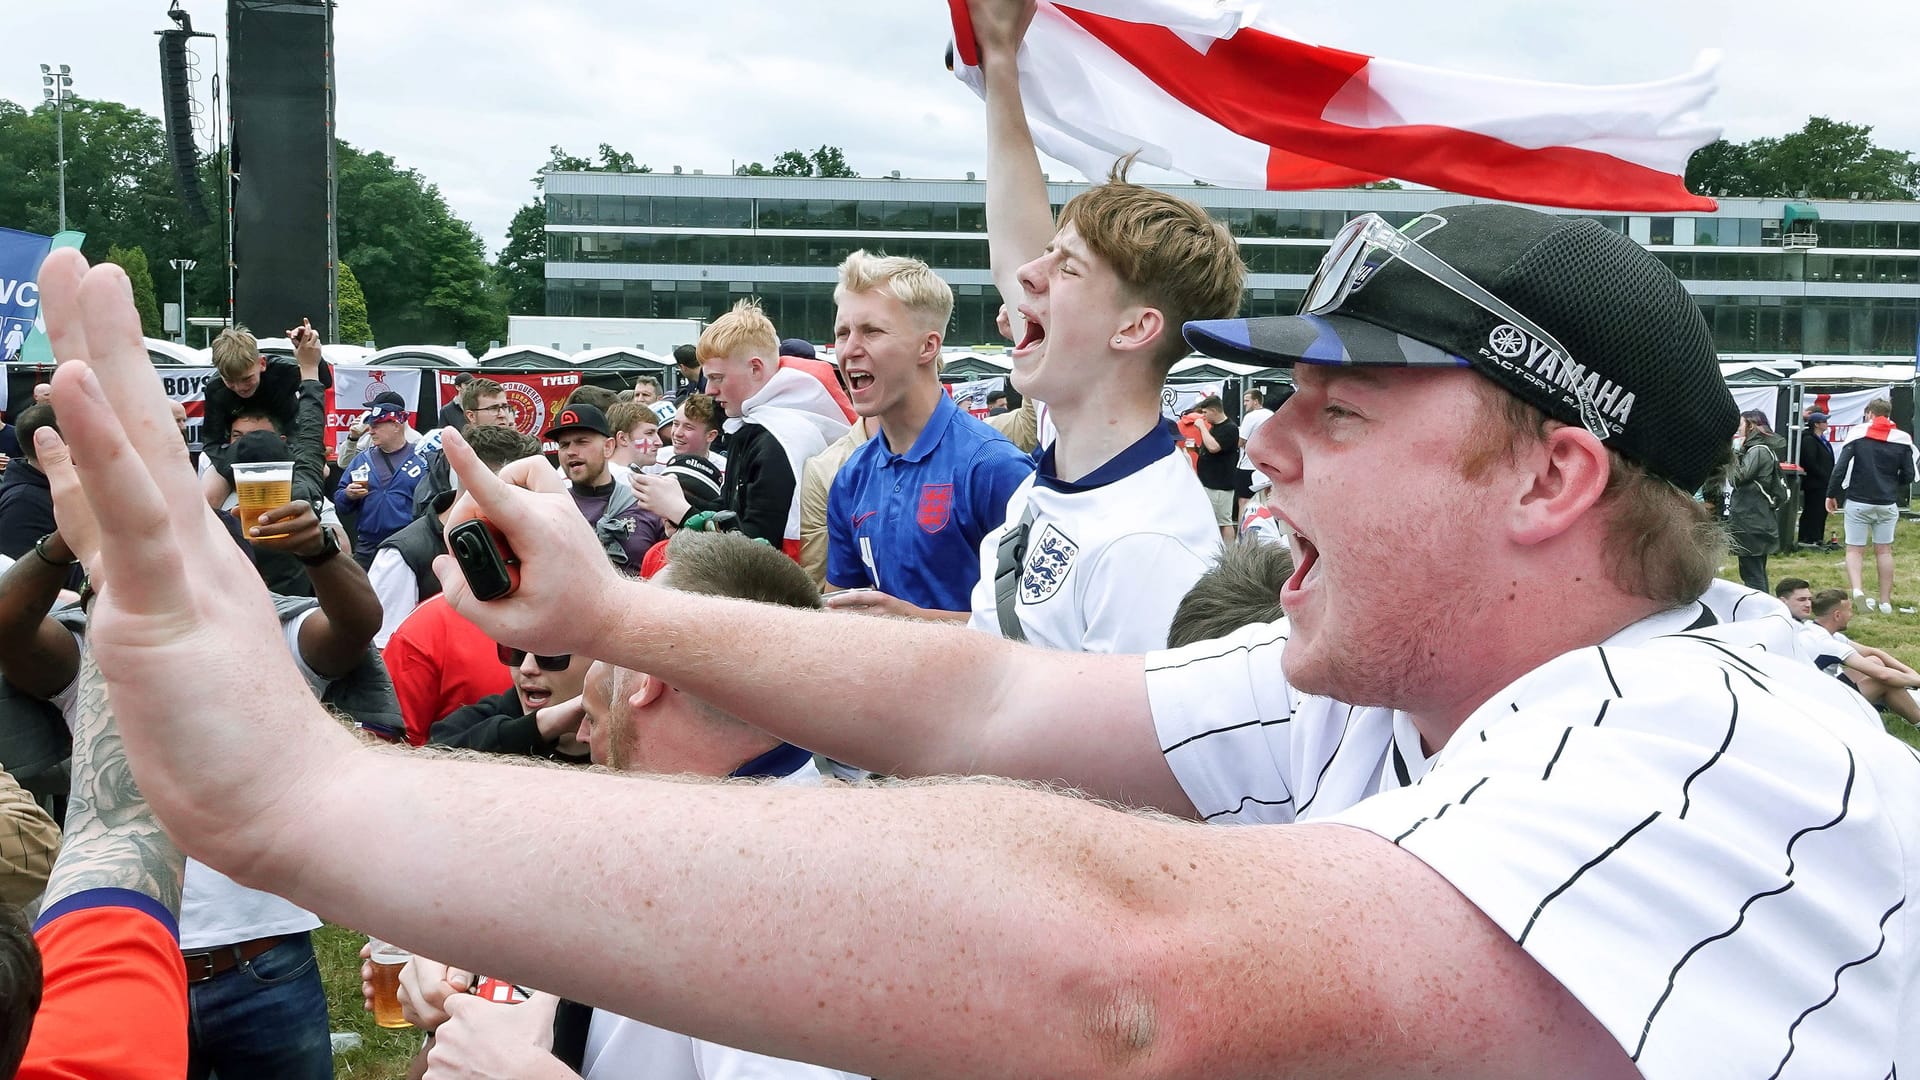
1006	576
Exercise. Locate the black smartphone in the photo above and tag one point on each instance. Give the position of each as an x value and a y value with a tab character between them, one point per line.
488	563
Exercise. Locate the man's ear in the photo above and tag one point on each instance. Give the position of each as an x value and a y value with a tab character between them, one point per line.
1142	329
646	690
1558	482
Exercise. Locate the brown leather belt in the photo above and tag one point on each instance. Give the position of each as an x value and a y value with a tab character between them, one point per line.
206	964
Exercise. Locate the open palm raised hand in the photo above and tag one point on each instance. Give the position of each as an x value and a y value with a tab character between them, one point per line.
177	597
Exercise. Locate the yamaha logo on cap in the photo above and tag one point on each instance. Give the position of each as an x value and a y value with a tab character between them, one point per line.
1601	403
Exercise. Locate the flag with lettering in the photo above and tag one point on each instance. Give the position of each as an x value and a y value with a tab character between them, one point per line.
536	397
354	389
20	256
1218	90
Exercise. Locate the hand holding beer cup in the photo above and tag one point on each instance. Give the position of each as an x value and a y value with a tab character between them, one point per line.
423	988
293	528
261	486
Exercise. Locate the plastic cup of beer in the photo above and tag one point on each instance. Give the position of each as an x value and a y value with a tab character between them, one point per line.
387	960
261	486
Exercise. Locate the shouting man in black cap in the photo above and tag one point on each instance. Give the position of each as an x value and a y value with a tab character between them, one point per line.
1518	807
587	446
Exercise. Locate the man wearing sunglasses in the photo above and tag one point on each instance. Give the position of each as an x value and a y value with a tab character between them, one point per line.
538	717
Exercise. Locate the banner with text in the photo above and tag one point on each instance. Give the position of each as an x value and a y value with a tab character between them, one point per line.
536	397
972	396
20	256
354	389
188	386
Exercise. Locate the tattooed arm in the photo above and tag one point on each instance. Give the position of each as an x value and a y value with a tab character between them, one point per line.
112	840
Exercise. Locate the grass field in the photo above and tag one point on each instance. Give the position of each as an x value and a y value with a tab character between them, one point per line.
383	1054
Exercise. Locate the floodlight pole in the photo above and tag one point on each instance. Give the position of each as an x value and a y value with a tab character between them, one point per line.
58	87
183	265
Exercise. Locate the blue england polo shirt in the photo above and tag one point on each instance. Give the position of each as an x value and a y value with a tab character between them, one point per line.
911	524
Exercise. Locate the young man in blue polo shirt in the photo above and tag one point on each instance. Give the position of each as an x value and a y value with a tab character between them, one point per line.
906	514
1098	550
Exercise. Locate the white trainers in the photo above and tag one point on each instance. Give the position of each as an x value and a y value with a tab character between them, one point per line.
1862	601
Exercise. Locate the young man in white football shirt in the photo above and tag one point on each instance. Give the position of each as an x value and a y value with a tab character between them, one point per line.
1099	547
1584	833
1881	677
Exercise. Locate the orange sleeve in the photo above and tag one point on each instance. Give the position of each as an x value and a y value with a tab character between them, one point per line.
115	1003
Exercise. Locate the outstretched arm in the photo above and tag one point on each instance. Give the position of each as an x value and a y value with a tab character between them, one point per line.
1074	940
896	697
1019	217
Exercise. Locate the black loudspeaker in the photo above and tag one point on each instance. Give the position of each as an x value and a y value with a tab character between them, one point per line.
281	82
176	96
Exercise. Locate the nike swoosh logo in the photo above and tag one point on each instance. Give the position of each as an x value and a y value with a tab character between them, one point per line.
859	519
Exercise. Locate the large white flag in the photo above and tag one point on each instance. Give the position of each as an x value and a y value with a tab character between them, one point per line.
1219	91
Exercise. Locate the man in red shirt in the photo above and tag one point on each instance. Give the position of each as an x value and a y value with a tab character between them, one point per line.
440	662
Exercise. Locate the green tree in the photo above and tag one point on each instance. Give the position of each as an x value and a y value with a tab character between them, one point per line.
792	163
350	303
120	189
612	160
424	271
558	160
825	161
134	262
1825	159
831	161
1721	169
521	269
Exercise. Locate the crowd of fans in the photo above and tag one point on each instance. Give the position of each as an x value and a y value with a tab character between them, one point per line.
698	579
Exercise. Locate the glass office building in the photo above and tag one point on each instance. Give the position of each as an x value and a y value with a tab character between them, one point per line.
1812	280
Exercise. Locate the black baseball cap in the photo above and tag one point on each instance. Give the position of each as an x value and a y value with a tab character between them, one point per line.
580	418
700	480
1639	346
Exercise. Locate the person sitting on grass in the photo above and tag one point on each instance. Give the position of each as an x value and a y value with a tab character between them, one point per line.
1880	677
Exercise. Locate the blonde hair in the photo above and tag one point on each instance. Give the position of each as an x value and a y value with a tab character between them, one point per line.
746	327
908	280
1166	251
1660	543
235	353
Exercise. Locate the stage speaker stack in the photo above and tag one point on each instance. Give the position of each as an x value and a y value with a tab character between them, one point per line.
281	84
176	96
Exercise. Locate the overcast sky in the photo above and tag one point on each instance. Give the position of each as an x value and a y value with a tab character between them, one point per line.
472	92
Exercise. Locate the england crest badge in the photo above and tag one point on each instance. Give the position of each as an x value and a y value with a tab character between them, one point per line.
1048	561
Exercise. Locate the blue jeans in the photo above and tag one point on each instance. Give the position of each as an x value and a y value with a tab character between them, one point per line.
266	1018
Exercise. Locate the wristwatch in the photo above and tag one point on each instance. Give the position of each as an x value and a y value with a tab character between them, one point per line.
329	547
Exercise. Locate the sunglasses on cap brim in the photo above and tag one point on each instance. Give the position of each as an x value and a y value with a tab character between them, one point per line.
1368	243
513	658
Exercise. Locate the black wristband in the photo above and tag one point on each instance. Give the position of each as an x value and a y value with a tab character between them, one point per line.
40	549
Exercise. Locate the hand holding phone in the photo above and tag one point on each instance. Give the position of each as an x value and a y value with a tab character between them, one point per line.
488	563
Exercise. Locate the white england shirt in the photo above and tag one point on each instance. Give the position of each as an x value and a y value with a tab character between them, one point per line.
1707	841
1108	558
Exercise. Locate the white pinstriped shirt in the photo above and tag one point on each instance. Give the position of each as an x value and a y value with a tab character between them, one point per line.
1707	841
